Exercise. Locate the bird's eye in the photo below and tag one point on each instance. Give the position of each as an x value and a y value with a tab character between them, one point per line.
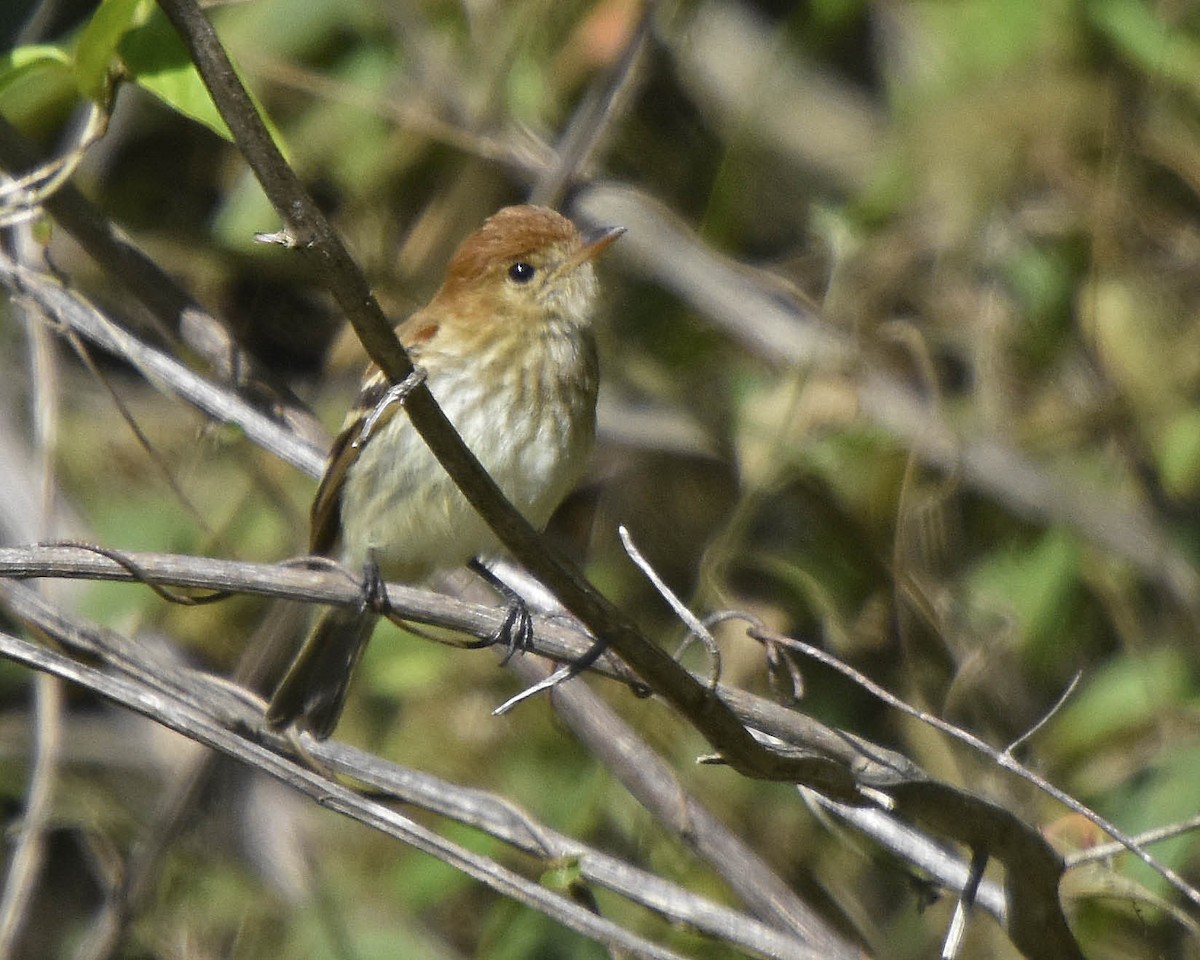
521	272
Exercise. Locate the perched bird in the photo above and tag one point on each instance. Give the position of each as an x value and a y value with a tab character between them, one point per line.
507	349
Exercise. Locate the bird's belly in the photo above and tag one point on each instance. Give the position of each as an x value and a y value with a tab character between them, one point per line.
400	507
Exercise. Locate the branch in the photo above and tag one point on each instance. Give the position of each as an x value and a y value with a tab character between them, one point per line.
187	719
28	851
172	308
214	713
658	788
836	764
826	766
73	311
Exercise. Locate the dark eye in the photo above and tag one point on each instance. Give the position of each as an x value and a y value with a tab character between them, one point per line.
521	272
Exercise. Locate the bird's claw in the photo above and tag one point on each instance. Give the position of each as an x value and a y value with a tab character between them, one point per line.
516	630
395	393
374	595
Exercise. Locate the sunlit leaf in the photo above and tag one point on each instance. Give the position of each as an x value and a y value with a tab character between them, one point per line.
159	63
1149	41
23	62
98	41
1118	700
37	80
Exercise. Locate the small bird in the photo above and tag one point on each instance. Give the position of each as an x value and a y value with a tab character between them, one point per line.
507	349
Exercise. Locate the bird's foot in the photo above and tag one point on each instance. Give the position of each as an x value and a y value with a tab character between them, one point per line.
395	393
516	629
374	590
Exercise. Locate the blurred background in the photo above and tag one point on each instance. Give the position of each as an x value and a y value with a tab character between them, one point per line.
992	206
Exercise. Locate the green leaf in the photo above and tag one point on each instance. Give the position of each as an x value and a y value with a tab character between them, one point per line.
1179	455
22	63
1125	697
1150	43
37	85
1037	584
97	44
158	63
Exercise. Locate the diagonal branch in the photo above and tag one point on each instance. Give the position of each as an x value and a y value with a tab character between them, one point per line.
179	694
176	314
836	764
74	312
191	720
315	238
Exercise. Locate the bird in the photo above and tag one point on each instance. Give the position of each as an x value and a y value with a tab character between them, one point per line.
506	347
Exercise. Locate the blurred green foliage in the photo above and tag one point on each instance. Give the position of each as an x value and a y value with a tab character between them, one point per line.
1021	249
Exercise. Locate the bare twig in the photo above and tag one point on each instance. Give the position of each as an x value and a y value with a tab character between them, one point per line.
1000	757
1104	851
901	839
25	863
966	901
837	764
182	695
1047	716
554	637
73	311
525	156
594	119
696	627
657	787
22	197
987	824
188	717
175	313
130	420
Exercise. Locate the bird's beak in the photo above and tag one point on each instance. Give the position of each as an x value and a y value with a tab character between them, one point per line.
595	242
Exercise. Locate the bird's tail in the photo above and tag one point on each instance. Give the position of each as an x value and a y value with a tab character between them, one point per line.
313	691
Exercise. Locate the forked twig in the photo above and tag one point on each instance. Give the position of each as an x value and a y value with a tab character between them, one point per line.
21	198
696	627
1001	757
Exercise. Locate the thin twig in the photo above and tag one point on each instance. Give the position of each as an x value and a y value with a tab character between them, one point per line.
528	157
191	720
1000	757
835	763
139	435
25	863
220	403
174	814
22	197
962	907
658	788
1105	851
175	314
177	692
696	627
932	857
594	119
555	637
1047	716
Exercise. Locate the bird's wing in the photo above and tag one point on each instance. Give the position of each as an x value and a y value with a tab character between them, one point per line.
326	516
